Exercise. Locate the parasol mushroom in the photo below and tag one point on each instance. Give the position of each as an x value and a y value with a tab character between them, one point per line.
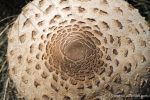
78	49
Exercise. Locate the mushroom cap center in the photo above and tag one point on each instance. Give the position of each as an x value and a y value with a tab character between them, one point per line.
75	51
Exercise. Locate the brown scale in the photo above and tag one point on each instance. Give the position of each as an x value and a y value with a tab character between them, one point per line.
37	15
24	80
38	56
118	24
57	16
111	39
41	3
102	12
63	22
20	57
55	77
50	60
97	27
81	9
96	81
22	38
45	56
49	67
109	71
28	70
45	97
66	86
42	37
36	84
115	52
91	19
98	32
66	8
88	33
48	35
108	58
108	87
82	96
95	10
27	22
52	28
37	67
81	22
86	28
11	52
88	84
96	41
105	25
67	98
54	87
116	62
40	23
61	1
104	1
73	20
41	46
52	21
119	10
80	85
73	81
32	48
64	76
44	75
117	78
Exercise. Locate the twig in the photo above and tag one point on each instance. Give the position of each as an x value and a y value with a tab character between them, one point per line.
8	25
8	18
2	42
5	91
5	39
2	66
4	30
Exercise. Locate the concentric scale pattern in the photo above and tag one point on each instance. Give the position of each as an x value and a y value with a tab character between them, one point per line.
78	50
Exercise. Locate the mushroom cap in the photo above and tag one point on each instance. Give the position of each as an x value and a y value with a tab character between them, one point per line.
78	49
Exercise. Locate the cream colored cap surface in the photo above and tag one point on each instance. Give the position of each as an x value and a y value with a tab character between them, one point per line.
78	50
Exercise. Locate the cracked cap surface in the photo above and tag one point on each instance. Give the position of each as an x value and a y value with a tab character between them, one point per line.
78	49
